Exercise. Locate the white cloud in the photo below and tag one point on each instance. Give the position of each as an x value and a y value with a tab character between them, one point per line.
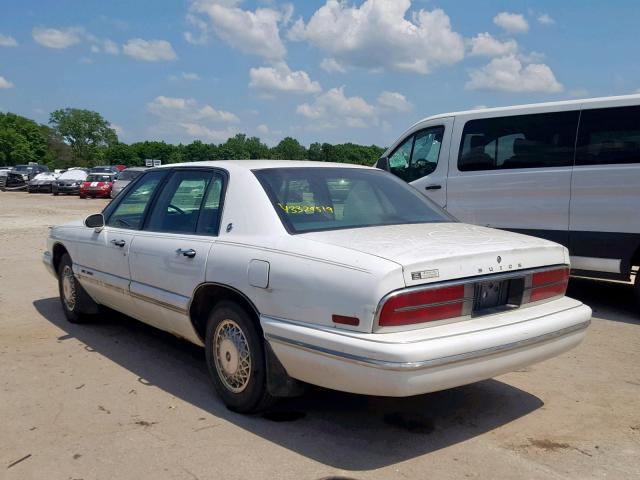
254	32
333	108
331	65
486	45
7	41
190	76
376	35
546	19
4	83
202	132
282	79
110	47
58	38
188	109
394	101
263	129
118	129
149	50
509	74
511	22
186	117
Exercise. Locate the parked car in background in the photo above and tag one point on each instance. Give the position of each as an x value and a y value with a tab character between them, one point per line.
125	178
19	175
42	182
330	274
69	182
97	185
565	171
105	169
121	167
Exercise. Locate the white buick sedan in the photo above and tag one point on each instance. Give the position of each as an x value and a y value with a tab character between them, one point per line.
330	274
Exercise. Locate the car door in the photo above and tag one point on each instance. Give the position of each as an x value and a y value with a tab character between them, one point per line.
514	172
168	257
421	159
103	254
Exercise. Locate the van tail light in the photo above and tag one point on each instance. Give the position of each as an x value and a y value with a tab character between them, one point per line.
548	284
424	306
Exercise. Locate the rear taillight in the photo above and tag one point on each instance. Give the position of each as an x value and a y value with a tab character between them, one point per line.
423	306
433	303
549	284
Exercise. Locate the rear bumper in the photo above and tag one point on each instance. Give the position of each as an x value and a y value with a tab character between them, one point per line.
398	365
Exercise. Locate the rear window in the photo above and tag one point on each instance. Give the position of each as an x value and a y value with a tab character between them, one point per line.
99	178
317	199
521	141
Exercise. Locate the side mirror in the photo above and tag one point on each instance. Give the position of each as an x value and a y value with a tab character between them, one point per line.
94	221
383	163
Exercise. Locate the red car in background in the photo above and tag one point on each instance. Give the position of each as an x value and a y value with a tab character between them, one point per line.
97	185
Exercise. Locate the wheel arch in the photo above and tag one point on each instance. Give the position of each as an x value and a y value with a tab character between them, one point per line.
207	295
58	251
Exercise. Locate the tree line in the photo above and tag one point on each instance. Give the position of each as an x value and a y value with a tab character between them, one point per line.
76	137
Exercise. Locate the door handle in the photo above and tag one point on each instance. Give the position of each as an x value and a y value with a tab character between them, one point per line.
118	243
190	253
433	187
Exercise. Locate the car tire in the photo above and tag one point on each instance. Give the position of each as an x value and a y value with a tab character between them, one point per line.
636	288
55	193
76	302
236	359
83	196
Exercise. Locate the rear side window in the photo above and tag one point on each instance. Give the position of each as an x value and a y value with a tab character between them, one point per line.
522	141
609	136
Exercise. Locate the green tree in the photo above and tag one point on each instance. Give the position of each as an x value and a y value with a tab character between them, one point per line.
86	132
21	140
121	154
289	149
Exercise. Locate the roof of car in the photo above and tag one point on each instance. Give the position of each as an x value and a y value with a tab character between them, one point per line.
260	164
634	98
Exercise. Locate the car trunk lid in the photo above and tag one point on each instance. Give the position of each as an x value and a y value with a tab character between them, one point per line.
435	252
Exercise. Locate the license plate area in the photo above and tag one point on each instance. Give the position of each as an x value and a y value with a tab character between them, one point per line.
492	296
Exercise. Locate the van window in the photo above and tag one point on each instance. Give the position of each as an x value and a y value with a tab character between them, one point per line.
418	155
522	141
609	136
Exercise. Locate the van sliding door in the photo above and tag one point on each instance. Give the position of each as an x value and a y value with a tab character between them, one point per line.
514	172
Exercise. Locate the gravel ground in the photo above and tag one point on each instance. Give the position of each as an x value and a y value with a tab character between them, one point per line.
117	399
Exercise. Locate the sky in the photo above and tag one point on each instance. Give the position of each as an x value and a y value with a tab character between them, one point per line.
333	71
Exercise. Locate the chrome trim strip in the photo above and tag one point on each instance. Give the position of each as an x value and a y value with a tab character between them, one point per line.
153	301
435	304
435	362
86	272
466	280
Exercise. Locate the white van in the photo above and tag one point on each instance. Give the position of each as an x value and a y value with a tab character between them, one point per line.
564	171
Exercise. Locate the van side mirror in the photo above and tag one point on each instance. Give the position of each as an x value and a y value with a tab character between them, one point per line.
383	163
94	221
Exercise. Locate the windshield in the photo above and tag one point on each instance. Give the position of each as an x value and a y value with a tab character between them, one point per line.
316	199
22	168
73	175
99	178
102	169
129	174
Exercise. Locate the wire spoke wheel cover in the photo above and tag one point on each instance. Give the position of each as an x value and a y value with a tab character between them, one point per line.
232	356
68	288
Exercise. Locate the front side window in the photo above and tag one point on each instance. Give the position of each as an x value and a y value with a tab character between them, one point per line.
318	199
418	155
521	141
130	210
188	203
609	136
